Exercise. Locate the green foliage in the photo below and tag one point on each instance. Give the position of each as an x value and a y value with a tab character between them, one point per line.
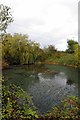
71	44
5	17
66	58
16	104
69	57
18	49
68	109
49	50
77	54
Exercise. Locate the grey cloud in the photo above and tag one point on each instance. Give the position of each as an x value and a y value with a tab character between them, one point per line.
49	25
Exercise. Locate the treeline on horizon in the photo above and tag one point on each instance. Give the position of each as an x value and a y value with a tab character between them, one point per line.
18	49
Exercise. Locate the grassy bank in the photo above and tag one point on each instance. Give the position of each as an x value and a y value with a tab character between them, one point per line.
16	104
63	59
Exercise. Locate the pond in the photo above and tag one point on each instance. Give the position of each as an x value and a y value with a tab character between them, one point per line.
47	84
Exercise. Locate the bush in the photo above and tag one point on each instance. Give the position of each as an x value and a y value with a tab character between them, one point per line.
69	108
16	104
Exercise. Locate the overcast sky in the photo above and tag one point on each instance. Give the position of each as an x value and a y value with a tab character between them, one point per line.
45	21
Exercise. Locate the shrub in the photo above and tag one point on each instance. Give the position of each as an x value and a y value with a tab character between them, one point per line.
69	108
16	104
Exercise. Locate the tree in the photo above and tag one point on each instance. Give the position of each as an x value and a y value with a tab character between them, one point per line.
18	49
71	44
5	20
50	50
5	17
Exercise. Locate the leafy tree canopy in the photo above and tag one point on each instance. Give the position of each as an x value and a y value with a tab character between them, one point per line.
5	17
71	44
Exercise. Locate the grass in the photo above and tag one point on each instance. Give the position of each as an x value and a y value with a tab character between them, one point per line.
63	59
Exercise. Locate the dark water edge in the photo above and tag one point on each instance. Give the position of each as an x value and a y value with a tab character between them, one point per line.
47	84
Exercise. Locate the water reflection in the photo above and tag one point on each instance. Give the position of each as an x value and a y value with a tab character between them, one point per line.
61	79
47	84
50	91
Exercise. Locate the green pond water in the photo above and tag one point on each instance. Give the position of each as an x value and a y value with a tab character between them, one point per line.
47	84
